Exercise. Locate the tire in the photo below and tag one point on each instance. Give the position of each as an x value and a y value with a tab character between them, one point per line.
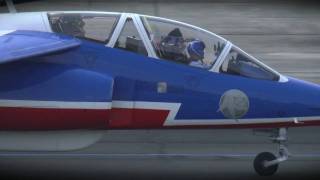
259	167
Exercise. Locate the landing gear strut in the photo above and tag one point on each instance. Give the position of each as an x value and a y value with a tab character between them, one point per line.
265	163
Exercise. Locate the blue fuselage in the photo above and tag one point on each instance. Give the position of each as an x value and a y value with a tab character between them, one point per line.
95	73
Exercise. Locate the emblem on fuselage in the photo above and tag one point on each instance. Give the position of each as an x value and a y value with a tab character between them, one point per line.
234	104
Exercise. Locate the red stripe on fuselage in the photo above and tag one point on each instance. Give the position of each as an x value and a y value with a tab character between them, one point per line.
13	118
137	118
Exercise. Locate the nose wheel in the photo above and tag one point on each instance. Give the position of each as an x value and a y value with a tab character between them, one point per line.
266	163
259	164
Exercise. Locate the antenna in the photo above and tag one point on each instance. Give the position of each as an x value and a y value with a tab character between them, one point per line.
11	7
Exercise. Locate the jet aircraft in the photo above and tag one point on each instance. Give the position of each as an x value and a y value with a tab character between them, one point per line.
102	70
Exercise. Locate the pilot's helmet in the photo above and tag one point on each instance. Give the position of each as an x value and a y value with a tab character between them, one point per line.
174	38
172	46
195	49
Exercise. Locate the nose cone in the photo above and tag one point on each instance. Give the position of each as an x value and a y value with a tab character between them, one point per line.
305	97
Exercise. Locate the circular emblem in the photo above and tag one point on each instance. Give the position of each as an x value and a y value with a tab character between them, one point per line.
234	104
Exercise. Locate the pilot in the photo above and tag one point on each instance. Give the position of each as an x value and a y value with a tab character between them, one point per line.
172	47
72	25
195	53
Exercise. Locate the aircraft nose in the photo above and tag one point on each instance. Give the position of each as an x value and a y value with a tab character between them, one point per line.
307	95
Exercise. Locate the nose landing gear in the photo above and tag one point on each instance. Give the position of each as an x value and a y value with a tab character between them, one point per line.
266	163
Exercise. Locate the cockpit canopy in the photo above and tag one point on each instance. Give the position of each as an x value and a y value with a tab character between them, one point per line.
171	39
163	39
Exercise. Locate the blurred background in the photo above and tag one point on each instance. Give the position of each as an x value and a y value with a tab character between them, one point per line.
283	34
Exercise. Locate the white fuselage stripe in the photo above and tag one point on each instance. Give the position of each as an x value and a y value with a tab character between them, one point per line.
55	104
185	122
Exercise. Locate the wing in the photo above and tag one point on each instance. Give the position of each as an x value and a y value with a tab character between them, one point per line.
21	44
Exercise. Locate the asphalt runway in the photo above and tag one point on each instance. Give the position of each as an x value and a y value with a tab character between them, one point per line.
157	168
283	34
168	154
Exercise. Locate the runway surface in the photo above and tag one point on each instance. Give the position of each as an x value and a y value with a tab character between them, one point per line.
284	35
163	168
168	154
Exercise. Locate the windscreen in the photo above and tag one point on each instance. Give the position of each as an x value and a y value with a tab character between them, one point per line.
238	63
